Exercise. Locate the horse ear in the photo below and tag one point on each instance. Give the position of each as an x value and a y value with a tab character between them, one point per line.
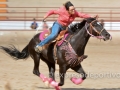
96	17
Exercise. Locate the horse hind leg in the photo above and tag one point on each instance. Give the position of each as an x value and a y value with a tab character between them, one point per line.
51	80
36	69
36	59
79	70
51	67
48	81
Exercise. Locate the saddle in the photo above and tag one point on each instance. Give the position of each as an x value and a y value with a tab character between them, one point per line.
57	40
46	33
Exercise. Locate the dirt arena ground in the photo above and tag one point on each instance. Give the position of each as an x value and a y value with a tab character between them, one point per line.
102	65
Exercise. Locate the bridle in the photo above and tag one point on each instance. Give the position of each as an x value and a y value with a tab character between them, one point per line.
93	28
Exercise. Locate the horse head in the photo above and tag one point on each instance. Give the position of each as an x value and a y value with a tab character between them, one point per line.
95	29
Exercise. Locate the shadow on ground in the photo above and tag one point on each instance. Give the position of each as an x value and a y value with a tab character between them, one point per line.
90	89
81	88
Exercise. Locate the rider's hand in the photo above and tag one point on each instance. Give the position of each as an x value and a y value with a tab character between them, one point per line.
96	16
43	20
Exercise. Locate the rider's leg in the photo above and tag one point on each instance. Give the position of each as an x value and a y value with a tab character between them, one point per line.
55	30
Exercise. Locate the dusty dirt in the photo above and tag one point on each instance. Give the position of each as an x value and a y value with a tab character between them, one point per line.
102	66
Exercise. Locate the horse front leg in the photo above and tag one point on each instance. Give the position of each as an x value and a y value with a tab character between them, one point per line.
79	70
62	71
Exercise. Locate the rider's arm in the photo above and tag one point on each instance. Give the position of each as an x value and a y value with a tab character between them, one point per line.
51	12
82	15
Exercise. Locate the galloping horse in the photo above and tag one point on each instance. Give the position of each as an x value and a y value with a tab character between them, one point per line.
89	27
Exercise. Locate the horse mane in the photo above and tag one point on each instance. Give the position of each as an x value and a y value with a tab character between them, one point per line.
73	28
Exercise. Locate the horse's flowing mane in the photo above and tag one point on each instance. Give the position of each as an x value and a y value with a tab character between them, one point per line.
73	28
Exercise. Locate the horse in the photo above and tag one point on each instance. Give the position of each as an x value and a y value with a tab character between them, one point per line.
77	40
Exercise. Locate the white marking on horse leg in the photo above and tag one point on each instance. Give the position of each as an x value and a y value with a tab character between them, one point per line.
47	85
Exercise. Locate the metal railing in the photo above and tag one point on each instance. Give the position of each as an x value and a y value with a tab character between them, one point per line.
109	14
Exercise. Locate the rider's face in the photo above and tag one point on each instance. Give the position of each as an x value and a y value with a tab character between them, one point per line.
71	10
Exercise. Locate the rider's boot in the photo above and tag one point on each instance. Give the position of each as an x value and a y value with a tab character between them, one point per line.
38	48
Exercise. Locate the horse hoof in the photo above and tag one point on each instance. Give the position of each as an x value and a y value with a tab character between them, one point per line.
60	84
77	81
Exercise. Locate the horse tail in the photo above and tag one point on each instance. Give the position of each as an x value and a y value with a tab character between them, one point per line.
15	53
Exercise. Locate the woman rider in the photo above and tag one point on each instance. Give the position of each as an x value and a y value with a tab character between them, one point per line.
67	14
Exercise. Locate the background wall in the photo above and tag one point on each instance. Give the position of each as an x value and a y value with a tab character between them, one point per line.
57	3
109	11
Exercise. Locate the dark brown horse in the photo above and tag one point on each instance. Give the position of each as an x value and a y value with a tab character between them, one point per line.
89	27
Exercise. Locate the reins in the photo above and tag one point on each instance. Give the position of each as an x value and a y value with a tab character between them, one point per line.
93	28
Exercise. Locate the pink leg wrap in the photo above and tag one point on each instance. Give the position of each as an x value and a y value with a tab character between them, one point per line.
43	77
57	88
54	84
51	81
77	80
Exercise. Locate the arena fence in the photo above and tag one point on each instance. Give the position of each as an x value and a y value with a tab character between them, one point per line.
21	17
